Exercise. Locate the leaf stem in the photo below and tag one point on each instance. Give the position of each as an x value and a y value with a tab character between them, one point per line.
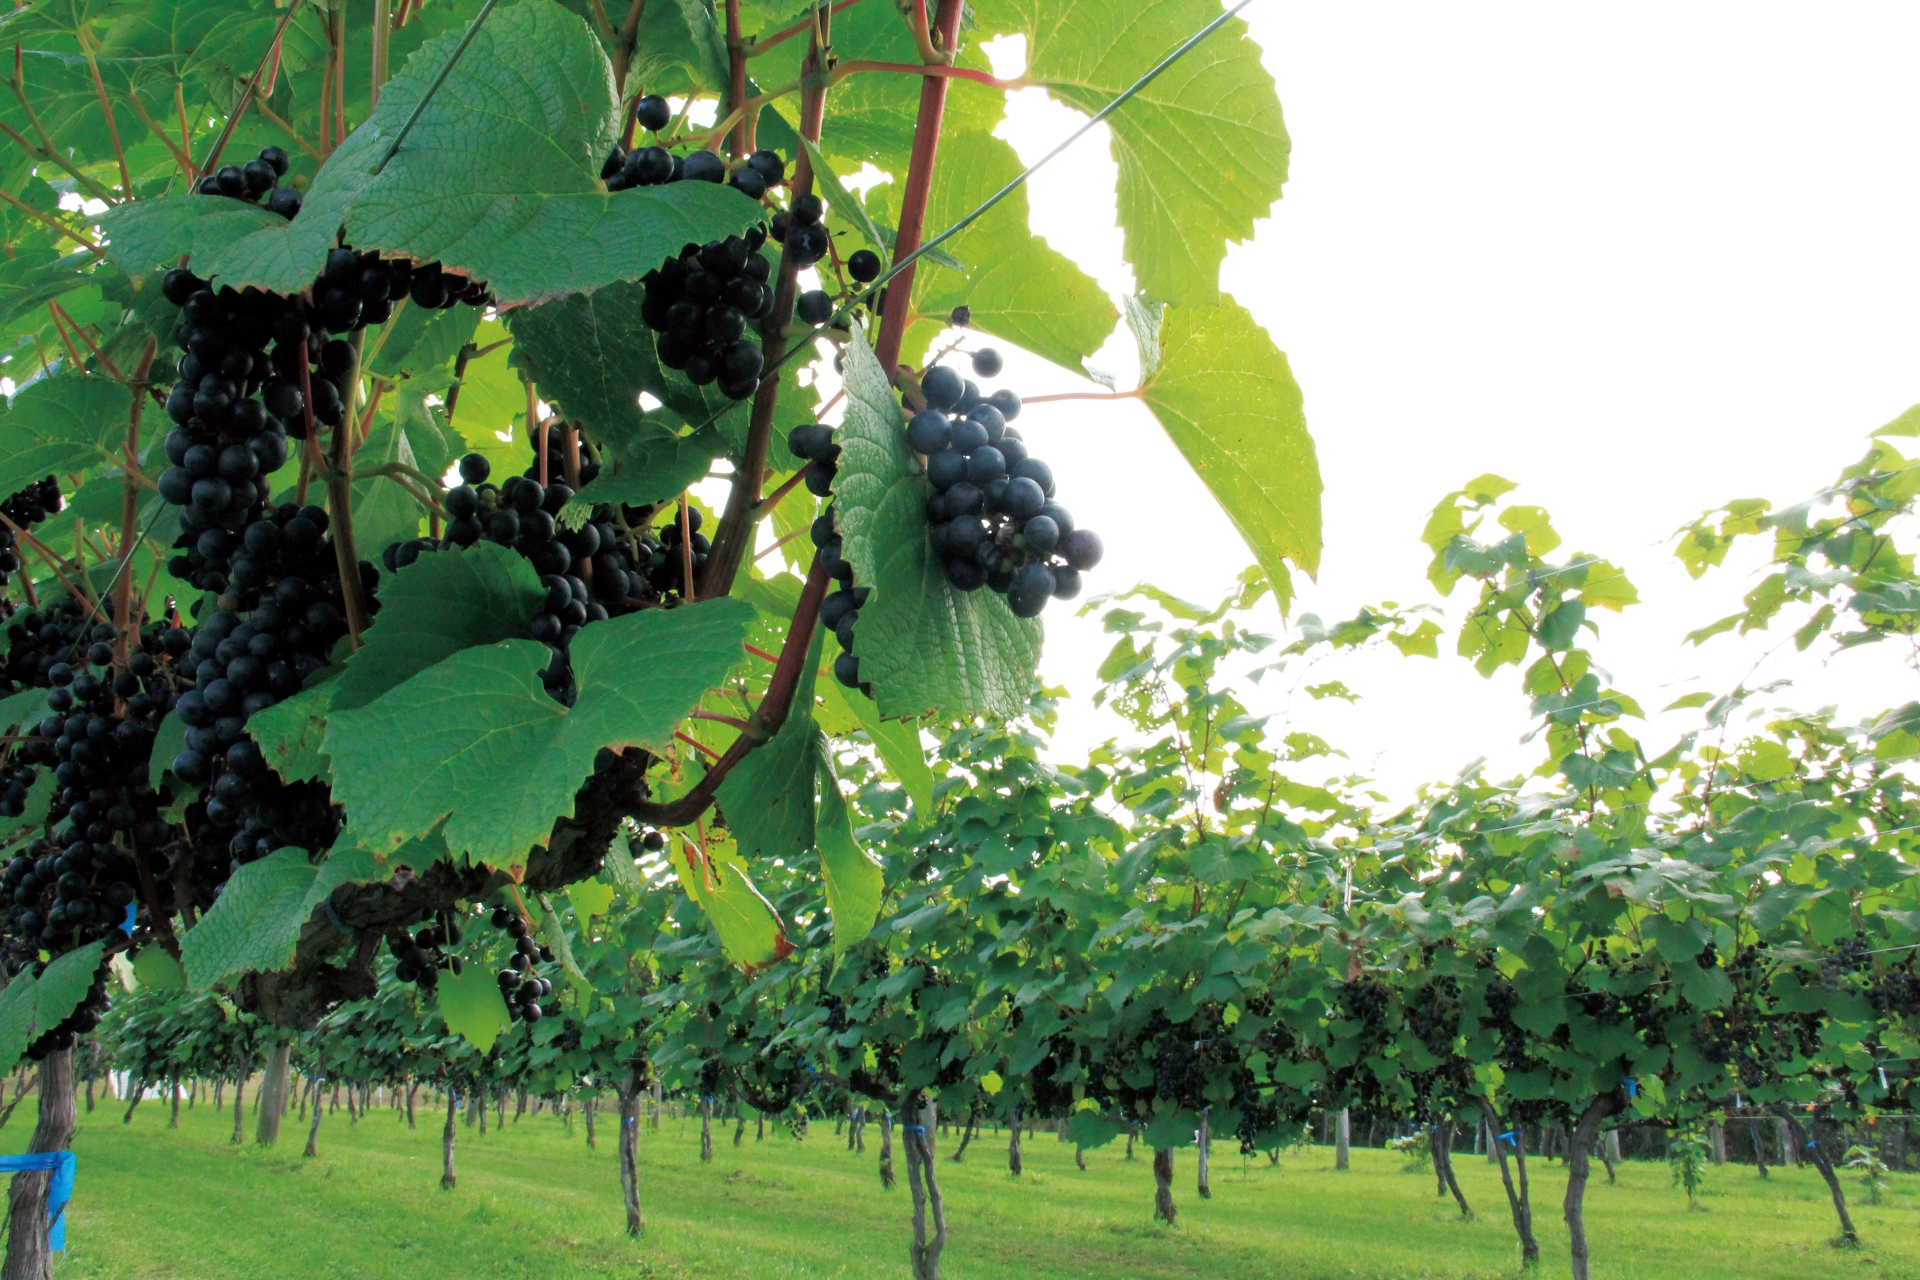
623	51
129	512
159	131
915	193
766	720
759	45
845	69
106	108
696	744
734	721
419	108
66	231
47	153
340	504
772	500
736	79
112	371
733	536
246	95
1081	395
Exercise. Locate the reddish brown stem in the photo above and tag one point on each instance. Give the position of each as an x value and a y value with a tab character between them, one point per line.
246	95
733	536
736	78
919	185
340	513
766	720
760	45
686	549
734	721
696	744
761	653
842	70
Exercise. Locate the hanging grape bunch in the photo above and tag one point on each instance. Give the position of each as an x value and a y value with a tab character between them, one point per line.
995	523
520	986
258	177
25	509
421	954
702	302
75	886
589	572
671	554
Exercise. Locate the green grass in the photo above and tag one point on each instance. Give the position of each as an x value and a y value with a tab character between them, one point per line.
534	1202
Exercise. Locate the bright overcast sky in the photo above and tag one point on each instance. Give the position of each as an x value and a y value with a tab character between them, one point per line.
1639	258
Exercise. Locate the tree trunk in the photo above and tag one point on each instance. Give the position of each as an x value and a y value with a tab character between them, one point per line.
1013	1144
313	1129
1717	1136
1443	1154
1760	1148
136	1091
759	1125
966	1136
1517	1201
706	1130
89	1095
886	1148
1610	1152
1205	1138
1079	1157
586	1109
411	1088
1133	1131
239	1097
658	1102
271	1102
924	1182
1573	1207
629	1091
173	1120
1163	1206
447	1179
29	1256
1342	1140
1808	1140
1783	1139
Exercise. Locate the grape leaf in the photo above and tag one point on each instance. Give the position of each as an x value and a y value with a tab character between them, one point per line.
255	923
499	178
24	707
1224	394
1019	287
749	928
768	798
897	741
471	1005
158	970
63	985
591	897
854	881
39	803
18	1006
169	740
419	341
61	425
593	354
476	741
922	645
289	733
442	603
1202	150
652	467
146	235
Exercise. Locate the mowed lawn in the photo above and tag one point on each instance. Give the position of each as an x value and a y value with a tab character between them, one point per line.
534	1201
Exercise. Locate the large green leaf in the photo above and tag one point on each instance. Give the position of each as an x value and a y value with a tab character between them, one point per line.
768	798
897	741
854	881
1016	286
1202	150
471	1005
1225	395
442	603
61	425
476	741
146	235
63	984
749	928
289	733
18	1005
255	923
922	645
499	178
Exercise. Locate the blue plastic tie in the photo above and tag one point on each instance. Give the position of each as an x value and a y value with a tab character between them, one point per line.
1508	1136
914	1130
334	916
133	913
59	1188
1631	1086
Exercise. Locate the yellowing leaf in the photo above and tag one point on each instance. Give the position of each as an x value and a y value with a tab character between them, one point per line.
472	1006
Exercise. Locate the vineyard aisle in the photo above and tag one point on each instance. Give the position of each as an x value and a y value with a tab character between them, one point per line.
534	1201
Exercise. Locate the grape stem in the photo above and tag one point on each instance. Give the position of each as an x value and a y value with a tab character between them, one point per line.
772	500
759	556
758	45
85	36
66	231
340	507
130	512
734	721
696	744
623	51
845	69
112	371
246	95
918	187
1081	395
766	719
733	536
736	79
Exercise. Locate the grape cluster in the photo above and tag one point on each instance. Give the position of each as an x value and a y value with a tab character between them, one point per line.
520	986
1849	955
816	306
258	177
701	303
590	573
422	954
995	523
69	889
668	554
25	509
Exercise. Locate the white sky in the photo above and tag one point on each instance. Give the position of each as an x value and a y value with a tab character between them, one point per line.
1639	258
